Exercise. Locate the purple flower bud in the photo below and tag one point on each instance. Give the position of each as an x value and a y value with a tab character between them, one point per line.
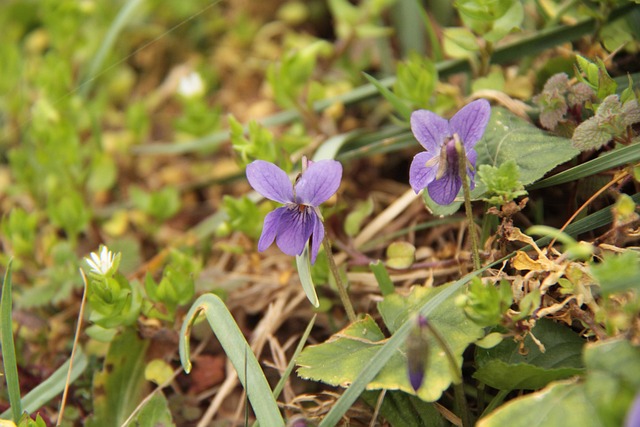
417	352
436	169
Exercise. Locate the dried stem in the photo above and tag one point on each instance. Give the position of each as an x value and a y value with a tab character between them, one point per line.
73	350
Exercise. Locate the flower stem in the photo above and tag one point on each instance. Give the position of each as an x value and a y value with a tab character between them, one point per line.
342	291
466	189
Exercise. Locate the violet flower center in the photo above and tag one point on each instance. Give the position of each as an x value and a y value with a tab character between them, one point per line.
448	159
301	209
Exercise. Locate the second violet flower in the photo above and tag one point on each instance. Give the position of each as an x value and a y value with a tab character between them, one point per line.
299	220
437	169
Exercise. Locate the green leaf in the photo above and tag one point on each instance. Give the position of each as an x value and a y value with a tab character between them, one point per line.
503	183
611	119
509	137
120	386
612	379
485	303
70	213
416	79
596	76
459	43
103	173
155	413
161	204
509	21
356	217
504	368
404	410
158	371
239	353
304	272
400	255
258	144
8	348
399	104
493	81
618	273
439	210
339	360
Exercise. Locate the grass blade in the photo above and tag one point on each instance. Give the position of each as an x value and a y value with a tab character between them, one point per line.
8	347
126	13
54	385
303	340
393	99
613	159
382	277
239	353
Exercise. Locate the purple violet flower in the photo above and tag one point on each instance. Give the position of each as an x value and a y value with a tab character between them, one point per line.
299	220
437	168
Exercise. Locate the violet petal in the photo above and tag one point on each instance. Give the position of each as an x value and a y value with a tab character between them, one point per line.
633	414
316	238
270	228
443	191
419	173
470	122
319	182
430	129
270	181
294	229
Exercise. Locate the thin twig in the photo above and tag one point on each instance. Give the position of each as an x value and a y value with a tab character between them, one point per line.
73	349
589	201
374	417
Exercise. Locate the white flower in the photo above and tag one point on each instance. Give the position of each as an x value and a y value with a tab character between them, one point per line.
191	85
103	263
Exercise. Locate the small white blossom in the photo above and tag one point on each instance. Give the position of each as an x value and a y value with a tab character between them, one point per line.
101	264
191	85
